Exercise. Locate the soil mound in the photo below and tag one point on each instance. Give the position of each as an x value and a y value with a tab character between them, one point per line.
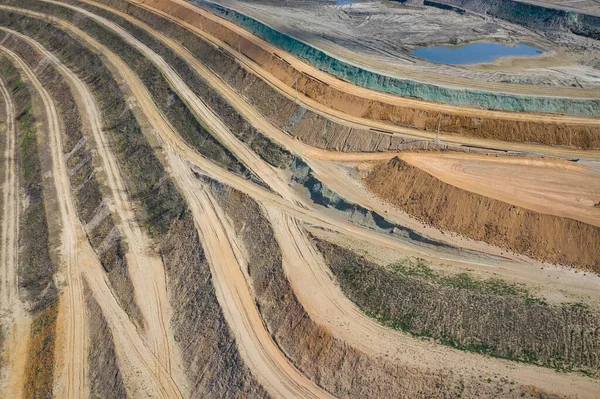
543	237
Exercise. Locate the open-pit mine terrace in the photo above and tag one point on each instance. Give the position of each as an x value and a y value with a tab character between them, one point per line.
264	199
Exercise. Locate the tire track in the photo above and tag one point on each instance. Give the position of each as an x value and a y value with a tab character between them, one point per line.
147	271
79	257
173	143
15	317
76	359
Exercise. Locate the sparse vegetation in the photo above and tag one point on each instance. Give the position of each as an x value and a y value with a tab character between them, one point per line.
420	269
145	177
270	151
36	268
484	316
39	369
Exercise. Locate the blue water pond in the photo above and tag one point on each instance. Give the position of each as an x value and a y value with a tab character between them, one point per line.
474	53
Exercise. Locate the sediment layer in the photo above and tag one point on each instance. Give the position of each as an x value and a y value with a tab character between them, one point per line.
541	236
512	327
279	109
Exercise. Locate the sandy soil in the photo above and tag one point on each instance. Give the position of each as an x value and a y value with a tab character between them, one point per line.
15	320
143	367
323	300
552	186
145	265
256	346
349	116
357	33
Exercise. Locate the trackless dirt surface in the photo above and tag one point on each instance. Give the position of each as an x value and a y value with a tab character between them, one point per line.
274	241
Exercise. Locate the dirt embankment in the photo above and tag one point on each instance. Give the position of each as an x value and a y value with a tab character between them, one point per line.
169	102
544	237
36	269
331	363
91	207
468	124
499	323
306	125
106	380
270	151
211	358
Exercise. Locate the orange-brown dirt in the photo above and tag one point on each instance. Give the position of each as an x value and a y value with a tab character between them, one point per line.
483	124
541	236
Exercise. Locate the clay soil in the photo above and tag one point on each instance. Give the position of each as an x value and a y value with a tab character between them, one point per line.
542	236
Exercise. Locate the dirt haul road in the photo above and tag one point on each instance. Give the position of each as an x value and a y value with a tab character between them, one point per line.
322	298
174	142
248	157
327	172
249	187
278	371
78	256
15	320
145	266
71	378
551	186
162	8
303	68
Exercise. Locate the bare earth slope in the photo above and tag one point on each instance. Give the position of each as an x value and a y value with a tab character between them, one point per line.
541	236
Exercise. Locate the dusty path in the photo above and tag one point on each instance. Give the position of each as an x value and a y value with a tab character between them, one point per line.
261	354
550	186
362	123
322	298
174	144
279	373
248	157
15	319
78	256
72	378
145	266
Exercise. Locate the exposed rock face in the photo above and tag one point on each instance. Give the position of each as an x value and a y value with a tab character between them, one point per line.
211	358
287	115
545	237
106	380
534	16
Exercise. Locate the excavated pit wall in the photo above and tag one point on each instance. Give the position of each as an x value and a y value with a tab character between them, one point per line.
267	149
192	129
99	222
533	16
322	195
561	336
212	361
325	133
36	268
541	236
105	378
329	362
403	87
